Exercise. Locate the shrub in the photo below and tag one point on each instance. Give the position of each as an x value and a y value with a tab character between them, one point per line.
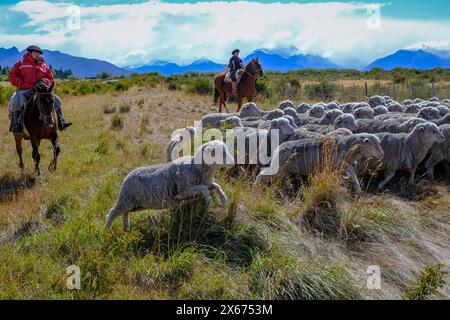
324	90
5	93
117	122
124	107
431	279
200	86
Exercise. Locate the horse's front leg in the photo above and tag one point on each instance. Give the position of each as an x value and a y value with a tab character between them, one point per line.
18	138
56	151
36	156
239	101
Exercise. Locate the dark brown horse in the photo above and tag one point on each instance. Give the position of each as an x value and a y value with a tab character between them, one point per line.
246	85
40	120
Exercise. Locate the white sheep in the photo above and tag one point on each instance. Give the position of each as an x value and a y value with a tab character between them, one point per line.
167	185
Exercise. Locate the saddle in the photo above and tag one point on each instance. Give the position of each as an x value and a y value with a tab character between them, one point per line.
228	77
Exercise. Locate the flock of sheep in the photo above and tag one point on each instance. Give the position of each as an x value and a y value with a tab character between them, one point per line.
380	135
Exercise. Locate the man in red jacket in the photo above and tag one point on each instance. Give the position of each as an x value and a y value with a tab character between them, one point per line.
25	75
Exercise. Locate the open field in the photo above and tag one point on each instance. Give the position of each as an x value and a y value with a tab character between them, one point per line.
258	247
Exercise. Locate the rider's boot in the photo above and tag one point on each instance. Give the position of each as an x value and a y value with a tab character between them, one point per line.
17	122
62	124
234	86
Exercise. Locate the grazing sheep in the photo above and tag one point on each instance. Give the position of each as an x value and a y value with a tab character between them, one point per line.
231	123
330	116
182	136
444	120
376	101
285	104
334	105
389	125
165	186
212	120
348	107
443	110
317	111
413	108
407	151
341	132
440	152
274	114
303	107
380	110
418	100
429	113
408	102
395	107
291	121
302	158
361	105
291	112
346	121
434	99
364	113
250	109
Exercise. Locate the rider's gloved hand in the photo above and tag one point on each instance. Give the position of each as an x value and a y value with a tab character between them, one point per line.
41	85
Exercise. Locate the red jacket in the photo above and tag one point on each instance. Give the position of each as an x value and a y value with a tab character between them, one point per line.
26	73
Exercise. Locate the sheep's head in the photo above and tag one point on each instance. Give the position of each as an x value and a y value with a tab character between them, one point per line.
428	133
250	109
380	110
429	113
317	111
330	116
291	121
303	107
285	104
283	125
409	125
231	123
368	146
346	121
214	154
274	114
364	113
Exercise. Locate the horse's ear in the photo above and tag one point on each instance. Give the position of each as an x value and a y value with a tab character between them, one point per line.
51	87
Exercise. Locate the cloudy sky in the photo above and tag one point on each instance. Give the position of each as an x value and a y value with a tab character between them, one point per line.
136	32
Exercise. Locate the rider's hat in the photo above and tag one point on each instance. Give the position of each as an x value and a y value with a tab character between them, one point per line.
30	49
235	50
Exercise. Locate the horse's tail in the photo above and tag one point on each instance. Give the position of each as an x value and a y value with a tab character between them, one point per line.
216	95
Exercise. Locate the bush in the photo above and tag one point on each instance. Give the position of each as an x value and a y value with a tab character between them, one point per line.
324	90
431	279
200	86
117	122
5	94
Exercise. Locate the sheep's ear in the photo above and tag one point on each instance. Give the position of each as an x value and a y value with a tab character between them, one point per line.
366	140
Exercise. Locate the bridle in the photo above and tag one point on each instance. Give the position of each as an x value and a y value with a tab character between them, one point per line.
47	118
256	75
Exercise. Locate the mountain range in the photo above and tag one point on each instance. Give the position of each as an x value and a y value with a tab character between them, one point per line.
283	60
81	67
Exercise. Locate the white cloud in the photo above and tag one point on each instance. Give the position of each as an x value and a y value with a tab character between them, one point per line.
181	32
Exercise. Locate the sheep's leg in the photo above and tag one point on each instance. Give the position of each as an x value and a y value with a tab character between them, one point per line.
446	169
430	169
126	221
388	175
412	177
222	195
116	211
354	179
193	191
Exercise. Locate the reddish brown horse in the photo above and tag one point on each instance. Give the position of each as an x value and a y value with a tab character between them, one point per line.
246	85
40	120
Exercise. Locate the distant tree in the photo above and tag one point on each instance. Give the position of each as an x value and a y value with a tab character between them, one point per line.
104	75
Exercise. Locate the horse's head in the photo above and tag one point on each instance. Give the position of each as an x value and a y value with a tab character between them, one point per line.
45	103
257	67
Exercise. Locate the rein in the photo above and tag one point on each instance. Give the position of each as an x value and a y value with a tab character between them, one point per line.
45	117
256	76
